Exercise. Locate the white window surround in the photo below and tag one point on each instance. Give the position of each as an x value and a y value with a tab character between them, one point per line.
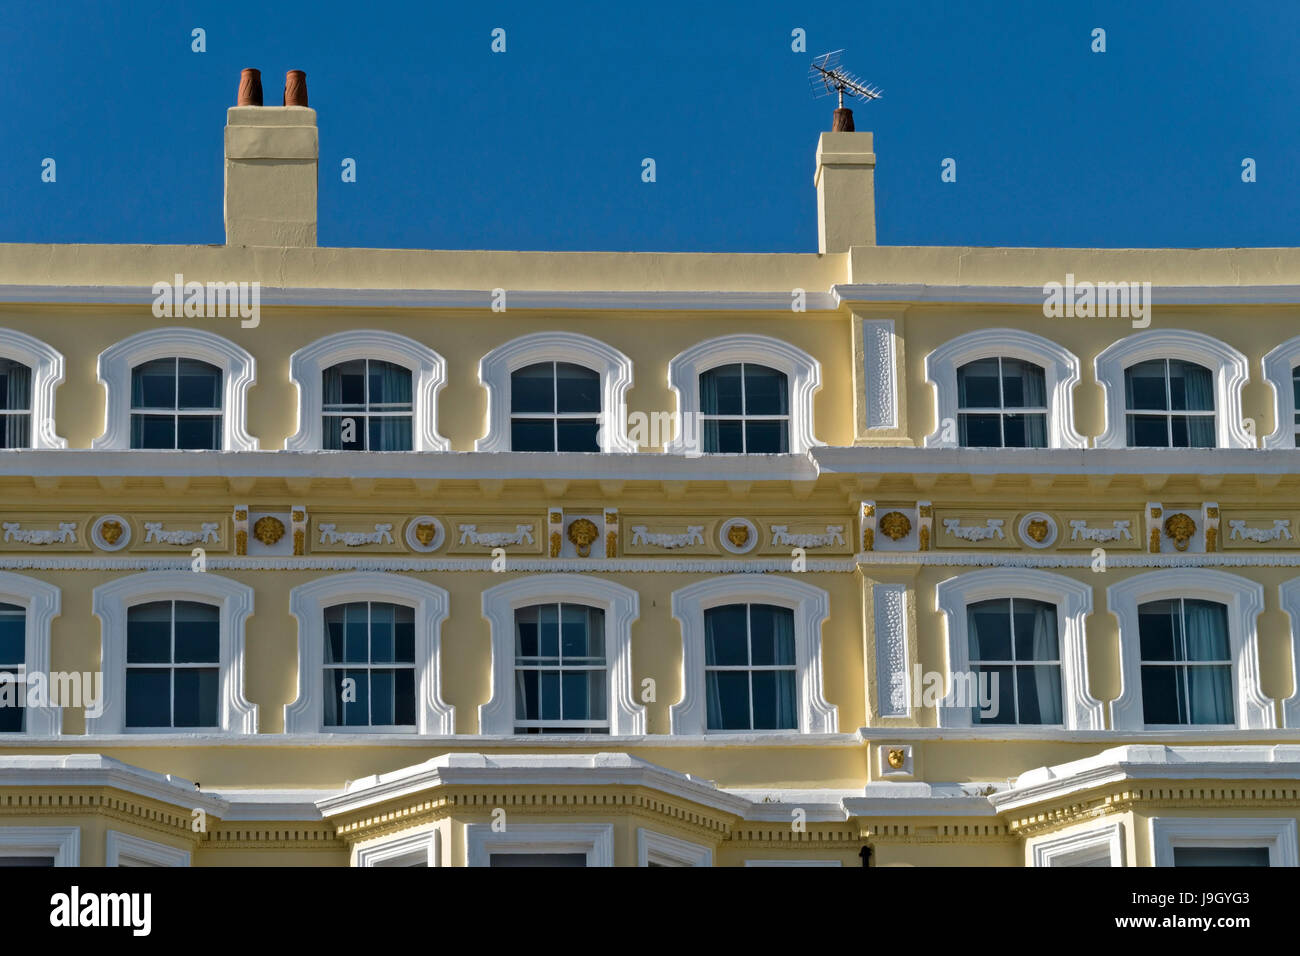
110	604
1073	600
122	849
1278	365
621	606
1290	600
1244	599
428	375
1082	847
238	373
430	604
1061	372
803	374
61	843
1226	364
47	374
42	601
811	606
410	850
615	369
595	840
1279	835
664	850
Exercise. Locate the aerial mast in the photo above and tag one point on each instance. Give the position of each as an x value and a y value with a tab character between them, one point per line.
827	76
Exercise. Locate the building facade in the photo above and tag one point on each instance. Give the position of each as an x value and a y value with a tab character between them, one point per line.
895	555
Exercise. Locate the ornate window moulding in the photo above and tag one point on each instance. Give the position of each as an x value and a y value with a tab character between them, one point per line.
811	606
1289	593
417	849
428	375
307	603
1244	599
61	843
621	606
1081	847
238	373
663	850
1278	366
122	849
594	840
615	370
1277	834
1061	370
110	603
47	374
42	602
1226	364
803	374
1073	601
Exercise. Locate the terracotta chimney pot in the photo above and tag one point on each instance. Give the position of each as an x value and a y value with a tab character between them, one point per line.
295	88
250	88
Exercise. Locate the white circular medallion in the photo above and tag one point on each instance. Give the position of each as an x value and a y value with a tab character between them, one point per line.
1037	530
424	533
111	533
738	535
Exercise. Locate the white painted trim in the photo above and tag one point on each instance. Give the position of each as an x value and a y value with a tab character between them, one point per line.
1279	835
62	843
621	606
96	770
1278	366
110	604
879	375
428	375
307	603
46	365
1081	846
1073	600
399	851
595	840
1226	364
909	292
793	863
811	606
43	603
892	639
1244	599
118	846
669	851
238	374
803	374
1289	597
1061	373
615	369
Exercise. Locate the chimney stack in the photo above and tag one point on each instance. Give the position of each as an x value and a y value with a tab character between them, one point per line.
846	187
272	155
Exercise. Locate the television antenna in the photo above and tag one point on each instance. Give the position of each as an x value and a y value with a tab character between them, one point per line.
827	76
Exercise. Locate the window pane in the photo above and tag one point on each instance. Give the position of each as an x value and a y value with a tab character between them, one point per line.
577	388
582	632
357	713
13	627
725	636
550	692
334	634
196	697
988	626
774	700
979	431
526	632
977	385
404	697
15	431
1209	695
381	698
1040	694
381	633
532	434
153	384
148	697
1221	856
198	384
198	432
356	646
1200	432
766	438
725	437
771	634
548	620
343	433
1191	387
390	384
198	633
1160	632
728	703
1035	630
765	391
1206	625
537	859
1013	431
345	385
996	685
1148	431
1162	695
15	386
580	689
1023	385
532	389
153	431
528	701
578	434
1144	385
720	391
404	634
149	633
390	432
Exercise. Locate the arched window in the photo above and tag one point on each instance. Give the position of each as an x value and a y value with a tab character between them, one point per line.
176	388
1169	403
1282	371
15	404
176	403
369	665
745	409
554	406
1001	403
366	406
27	607
1003	388
30	371
1016	650
1186	662
1172	388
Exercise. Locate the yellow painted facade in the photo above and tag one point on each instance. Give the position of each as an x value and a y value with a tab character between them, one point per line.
874	529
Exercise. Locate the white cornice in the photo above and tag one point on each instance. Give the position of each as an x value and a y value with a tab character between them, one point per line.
96	770
1163	295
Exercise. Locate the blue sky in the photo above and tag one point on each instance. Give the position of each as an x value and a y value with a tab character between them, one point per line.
541	147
